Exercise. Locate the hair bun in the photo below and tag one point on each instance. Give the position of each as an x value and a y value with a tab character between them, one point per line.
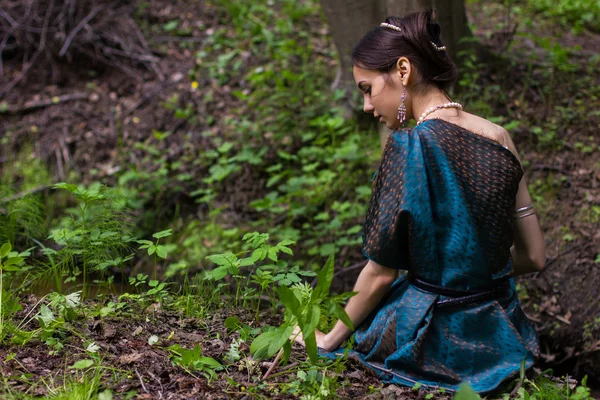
434	30
419	41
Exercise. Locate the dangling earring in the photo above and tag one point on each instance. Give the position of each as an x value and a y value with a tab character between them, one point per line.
402	109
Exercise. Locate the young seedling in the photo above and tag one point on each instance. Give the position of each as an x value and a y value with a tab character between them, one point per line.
154	248
304	313
9	261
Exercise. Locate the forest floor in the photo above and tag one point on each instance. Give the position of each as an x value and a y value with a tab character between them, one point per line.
85	133
140	370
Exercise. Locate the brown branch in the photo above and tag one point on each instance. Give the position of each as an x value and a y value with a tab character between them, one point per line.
14	25
516	388
178	39
26	66
45	28
26	193
33	105
549	168
284	370
160	394
139	57
141	38
101	58
278	357
3	46
79	27
59	164
10	19
141	381
552	260
591	305
272	367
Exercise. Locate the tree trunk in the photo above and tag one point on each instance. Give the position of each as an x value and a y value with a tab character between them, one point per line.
349	20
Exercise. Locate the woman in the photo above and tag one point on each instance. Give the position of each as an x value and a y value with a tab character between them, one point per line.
450	206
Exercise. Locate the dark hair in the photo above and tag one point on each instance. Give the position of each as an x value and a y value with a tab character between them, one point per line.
381	48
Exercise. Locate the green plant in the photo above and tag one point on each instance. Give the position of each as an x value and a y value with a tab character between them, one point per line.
545	386
154	248
52	319
96	234
198	239
314	384
465	392
245	331
111	308
263	275
281	105
198	297
138	280
573	14
193	360
234	353
21	216
9	261
83	385
304	312
157	290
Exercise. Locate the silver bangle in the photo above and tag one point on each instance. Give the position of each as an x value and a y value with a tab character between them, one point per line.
523	209
532	212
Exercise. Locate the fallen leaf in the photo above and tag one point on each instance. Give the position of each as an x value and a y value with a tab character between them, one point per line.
130	358
355	375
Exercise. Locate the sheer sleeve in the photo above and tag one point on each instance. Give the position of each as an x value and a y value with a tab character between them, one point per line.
387	228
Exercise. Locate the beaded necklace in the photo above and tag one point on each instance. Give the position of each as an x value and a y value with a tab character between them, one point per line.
451	104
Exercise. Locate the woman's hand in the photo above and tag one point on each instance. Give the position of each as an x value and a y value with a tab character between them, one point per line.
321	338
323	341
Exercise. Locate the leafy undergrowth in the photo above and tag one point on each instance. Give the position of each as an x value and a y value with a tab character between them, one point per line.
160	352
158	344
209	338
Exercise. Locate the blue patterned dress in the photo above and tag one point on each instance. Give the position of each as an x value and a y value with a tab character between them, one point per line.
442	210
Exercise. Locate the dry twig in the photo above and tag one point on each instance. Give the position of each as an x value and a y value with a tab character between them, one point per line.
48	32
24	194
141	381
33	105
80	26
272	367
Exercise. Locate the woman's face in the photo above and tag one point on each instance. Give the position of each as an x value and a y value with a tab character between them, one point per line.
381	96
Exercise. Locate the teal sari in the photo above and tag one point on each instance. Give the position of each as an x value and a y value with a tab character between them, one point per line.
442	210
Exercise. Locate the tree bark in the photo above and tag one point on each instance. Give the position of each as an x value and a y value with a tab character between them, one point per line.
349	20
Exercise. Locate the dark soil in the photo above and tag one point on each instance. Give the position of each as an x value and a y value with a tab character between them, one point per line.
147	369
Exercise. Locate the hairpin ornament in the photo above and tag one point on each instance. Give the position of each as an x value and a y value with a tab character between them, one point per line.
438	48
398	29
394	27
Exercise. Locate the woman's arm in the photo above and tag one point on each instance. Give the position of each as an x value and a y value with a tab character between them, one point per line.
372	284
528	250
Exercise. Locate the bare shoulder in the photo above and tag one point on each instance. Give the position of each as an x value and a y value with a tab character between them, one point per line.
503	137
487	128
491	130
